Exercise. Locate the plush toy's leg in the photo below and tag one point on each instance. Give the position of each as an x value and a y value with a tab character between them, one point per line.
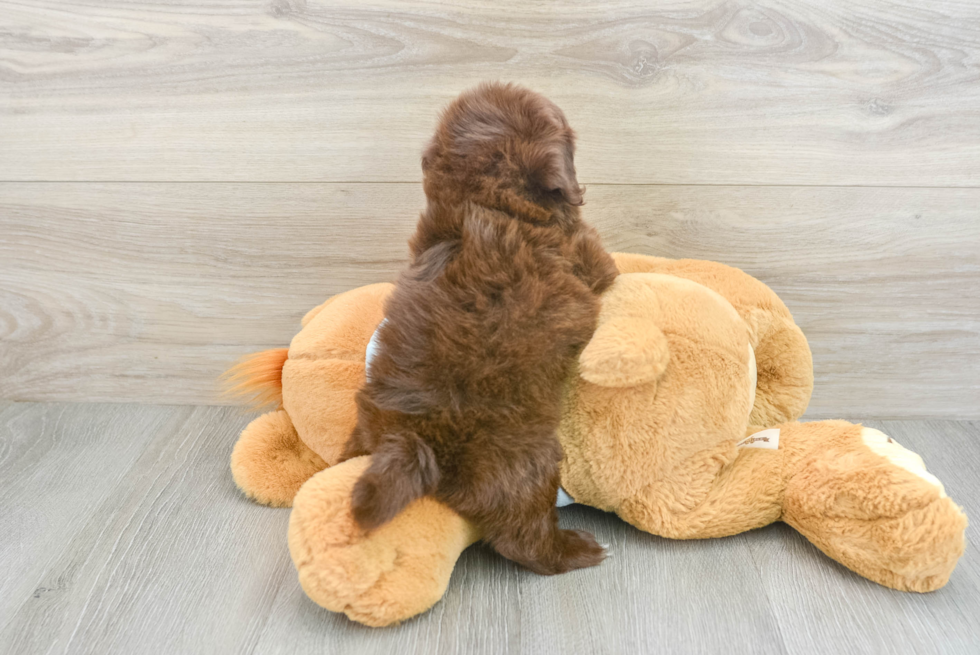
870	504
857	495
744	495
388	575
270	463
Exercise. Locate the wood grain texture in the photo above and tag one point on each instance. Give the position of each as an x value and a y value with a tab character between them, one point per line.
146	292
752	133
57	465
173	559
874	92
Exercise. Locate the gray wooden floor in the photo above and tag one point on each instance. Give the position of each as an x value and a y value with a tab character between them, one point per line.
121	531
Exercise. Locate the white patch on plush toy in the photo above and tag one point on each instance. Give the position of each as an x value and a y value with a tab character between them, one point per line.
372	351
766	439
881	444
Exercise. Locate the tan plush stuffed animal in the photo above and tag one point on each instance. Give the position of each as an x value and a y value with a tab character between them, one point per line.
680	420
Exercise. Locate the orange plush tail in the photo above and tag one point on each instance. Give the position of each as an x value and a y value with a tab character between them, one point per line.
256	380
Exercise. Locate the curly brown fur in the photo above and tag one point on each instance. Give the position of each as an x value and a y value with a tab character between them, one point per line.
483	328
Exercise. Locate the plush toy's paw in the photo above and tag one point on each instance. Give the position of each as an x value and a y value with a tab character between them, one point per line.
397	571
881	444
270	462
870	504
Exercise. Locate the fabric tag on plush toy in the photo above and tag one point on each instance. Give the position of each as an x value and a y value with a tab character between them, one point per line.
768	439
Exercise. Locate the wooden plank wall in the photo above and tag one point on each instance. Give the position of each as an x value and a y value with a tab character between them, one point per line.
180	181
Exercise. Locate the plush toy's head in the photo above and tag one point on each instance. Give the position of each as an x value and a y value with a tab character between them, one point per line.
783	361
669	384
668	377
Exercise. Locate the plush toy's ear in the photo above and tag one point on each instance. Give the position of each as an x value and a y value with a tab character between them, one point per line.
625	351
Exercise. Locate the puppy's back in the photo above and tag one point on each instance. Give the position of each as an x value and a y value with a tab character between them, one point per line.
496	308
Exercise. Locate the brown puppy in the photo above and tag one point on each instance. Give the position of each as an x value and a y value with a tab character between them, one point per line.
482	330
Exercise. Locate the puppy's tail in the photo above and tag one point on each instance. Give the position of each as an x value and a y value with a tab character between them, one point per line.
402	469
256	380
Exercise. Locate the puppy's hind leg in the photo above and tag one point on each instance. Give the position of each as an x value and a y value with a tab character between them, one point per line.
544	548
521	523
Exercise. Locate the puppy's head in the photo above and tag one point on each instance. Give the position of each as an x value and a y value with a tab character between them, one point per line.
507	148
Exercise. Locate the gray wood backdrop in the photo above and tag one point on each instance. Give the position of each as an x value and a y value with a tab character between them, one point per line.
180	181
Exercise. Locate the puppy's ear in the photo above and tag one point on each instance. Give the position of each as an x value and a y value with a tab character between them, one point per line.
557	172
